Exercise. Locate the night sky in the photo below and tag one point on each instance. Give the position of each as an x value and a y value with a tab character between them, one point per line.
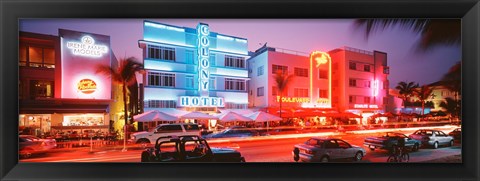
406	64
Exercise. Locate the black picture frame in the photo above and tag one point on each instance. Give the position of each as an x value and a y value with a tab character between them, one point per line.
11	11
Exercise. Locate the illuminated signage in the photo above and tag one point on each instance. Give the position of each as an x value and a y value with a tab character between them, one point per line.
375	88
87	86
294	99
203	58
319	58
194	101
87	47
366	106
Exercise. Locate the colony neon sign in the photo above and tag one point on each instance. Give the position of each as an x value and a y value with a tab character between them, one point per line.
203	57
87	47
193	101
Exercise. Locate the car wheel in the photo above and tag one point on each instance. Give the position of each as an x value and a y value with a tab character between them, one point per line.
145	156
325	159
451	143
26	153
358	156
435	145
415	147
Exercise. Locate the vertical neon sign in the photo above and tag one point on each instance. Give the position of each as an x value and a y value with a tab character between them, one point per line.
203	58
320	58
375	88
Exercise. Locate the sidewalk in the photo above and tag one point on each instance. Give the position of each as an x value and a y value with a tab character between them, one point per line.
447	159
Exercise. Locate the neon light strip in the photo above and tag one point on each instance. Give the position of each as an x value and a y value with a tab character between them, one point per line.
327	56
164	27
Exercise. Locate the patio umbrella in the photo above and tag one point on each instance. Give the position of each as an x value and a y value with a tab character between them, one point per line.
377	115
154	115
197	115
351	115
232	116
261	116
389	115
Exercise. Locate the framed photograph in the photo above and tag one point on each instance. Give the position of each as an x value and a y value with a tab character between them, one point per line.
239	90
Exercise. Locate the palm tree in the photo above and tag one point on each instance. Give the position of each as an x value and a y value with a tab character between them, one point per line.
433	32
453	81
450	105
406	90
423	94
283	81
124	75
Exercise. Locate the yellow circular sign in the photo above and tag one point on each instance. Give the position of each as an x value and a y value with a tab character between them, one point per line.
87	86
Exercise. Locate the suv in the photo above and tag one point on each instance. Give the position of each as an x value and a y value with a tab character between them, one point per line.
188	149
163	130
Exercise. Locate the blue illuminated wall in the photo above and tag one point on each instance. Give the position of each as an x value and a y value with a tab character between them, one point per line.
184	41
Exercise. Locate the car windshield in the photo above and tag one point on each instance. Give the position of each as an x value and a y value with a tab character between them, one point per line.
424	132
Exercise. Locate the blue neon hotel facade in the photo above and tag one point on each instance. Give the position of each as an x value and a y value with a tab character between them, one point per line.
193	69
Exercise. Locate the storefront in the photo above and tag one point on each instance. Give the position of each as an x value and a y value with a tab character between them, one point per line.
69	93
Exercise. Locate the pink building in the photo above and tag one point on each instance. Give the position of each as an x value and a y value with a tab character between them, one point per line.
360	81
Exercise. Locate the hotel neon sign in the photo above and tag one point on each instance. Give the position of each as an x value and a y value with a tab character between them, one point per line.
294	99
193	101
320	58
87	47
364	106
203	57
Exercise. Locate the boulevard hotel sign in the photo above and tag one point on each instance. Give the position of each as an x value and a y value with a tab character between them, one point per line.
203	53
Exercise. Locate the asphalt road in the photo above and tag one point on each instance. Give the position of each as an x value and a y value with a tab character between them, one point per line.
267	150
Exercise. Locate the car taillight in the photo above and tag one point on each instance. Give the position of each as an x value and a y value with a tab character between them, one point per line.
310	152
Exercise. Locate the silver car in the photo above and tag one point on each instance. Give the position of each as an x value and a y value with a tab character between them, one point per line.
433	138
327	149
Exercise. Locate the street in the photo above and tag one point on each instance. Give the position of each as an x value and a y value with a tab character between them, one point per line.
275	149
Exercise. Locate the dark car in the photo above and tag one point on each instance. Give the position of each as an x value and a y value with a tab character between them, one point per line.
234	132
456	133
188	149
390	140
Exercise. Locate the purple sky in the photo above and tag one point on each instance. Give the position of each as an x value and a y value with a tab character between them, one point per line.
300	35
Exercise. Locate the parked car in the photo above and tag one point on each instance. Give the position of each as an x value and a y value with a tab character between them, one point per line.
433	138
389	141
234	132
188	149
61	136
29	145
319	149
456	134
162	130
73	135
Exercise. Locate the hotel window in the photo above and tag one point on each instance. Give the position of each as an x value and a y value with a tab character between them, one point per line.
160	104
189	57
189	81
323	74
232	61
211	83
260	70
386	70
298	92
366	68
301	72
274	91
213	60
41	89
352	65
235	84
282	69
366	100
37	56
367	83
352	83
161	53
260	92
351	99
323	93
161	79
385	100
385	84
